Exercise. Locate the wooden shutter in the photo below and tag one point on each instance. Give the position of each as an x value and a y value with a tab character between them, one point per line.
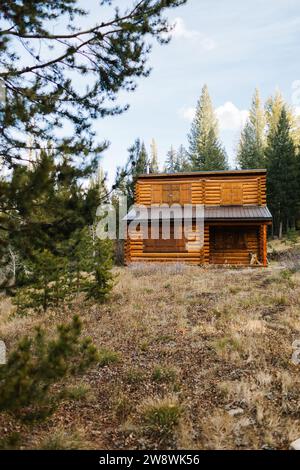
232	194
185	194
166	190
170	194
156	194
237	194
175	194
226	194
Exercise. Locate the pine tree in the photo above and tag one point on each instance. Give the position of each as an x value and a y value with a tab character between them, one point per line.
45	203
137	164
45	91
206	151
282	175
274	106
153	167
251	151
182	160
98	182
171	161
36	364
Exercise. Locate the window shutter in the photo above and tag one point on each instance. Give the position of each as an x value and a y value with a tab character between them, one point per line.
237	194
226	194
166	193
156	194
185	197
175	194
232	194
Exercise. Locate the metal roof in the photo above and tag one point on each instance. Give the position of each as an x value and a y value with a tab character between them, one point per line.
211	213
237	213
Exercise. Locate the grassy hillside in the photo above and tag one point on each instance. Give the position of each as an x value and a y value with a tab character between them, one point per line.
190	358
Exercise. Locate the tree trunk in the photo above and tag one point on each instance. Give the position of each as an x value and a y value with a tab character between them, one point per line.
280	230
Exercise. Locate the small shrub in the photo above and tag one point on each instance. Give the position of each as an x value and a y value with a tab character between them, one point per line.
292	236
164	374
122	407
78	392
161	415
227	344
280	300
10	442
107	357
63	440
135	376
286	274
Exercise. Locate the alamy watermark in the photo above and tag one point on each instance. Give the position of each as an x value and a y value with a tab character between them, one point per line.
2	353
2	93
151	222
296	353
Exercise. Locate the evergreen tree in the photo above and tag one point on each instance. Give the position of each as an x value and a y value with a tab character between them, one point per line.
36	364
137	164
282	175
99	182
273	109
45	203
153	167
274	106
182	160
171	161
251	151
206	152
108	55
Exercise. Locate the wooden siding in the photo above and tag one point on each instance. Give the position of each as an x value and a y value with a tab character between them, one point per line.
241	190
233	244
237	239
190	250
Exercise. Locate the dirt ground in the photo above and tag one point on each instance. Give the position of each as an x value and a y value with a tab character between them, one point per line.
203	362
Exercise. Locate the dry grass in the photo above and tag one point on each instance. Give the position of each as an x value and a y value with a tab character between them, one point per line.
196	341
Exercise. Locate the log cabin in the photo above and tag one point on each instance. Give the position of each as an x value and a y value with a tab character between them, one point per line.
235	218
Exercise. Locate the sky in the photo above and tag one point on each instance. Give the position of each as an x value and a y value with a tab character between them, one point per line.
233	46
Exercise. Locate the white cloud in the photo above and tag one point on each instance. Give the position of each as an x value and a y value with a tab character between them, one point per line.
180	31
229	116
187	114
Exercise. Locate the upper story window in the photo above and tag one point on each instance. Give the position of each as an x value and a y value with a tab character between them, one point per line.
172	194
232	194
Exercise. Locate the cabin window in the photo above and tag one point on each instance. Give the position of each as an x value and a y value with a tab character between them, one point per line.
232	194
171	194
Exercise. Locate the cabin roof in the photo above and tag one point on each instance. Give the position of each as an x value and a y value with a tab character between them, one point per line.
237	213
203	174
211	213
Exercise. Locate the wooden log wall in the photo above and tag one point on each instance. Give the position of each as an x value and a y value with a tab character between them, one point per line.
263	244
209	191
242	189
235	255
139	250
